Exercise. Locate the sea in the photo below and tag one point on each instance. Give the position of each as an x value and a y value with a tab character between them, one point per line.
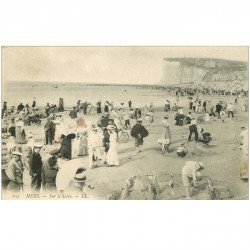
50	93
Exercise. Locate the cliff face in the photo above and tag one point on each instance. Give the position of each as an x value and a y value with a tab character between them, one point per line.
204	71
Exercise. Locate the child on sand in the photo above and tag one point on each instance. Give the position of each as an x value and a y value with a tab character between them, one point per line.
182	151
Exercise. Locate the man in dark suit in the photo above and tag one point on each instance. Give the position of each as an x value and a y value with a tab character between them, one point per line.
218	108
138	132
49	131
35	164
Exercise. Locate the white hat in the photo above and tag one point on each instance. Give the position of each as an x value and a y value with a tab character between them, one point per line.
56	121
38	145
16	153
81	177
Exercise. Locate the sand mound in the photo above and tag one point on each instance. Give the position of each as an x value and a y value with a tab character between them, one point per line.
166	186
145	187
199	149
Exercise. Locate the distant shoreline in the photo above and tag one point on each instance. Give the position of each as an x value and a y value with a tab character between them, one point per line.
83	84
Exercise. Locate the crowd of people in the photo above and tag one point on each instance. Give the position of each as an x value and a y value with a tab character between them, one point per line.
193	89
70	136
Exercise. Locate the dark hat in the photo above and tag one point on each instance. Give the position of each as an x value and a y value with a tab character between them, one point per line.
53	158
80	170
93	127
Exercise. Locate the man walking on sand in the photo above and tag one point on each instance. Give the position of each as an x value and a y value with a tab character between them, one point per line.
139	132
230	110
218	108
49	131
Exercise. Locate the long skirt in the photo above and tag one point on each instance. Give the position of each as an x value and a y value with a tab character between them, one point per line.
20	136
83	147
112	156
65	150
99	110
166	107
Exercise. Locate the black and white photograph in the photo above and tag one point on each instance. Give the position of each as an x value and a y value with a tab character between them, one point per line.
125	123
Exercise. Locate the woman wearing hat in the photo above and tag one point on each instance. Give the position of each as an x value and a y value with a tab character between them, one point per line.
79	145
61	105
83	146
66	146
94	140
20	132
112	155
166	136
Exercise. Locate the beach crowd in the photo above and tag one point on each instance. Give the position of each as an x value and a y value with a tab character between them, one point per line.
69	134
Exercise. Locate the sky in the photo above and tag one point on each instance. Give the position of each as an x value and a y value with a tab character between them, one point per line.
140	65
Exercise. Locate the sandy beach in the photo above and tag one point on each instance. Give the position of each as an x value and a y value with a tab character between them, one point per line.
222	158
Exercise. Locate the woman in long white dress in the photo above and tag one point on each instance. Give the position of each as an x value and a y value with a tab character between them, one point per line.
75	146
112	155
94	141
20	132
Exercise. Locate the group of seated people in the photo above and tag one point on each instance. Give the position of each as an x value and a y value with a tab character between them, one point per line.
181	119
